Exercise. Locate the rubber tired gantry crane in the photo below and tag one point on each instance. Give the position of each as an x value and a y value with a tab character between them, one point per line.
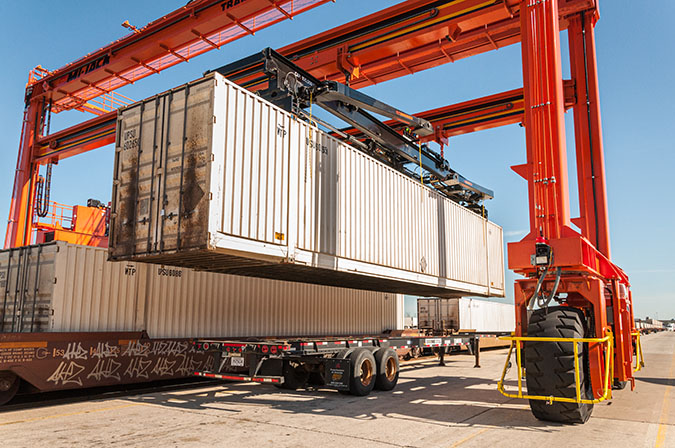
573	352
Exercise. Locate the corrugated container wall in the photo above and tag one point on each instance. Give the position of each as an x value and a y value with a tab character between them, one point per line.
64	287
211	176
465	314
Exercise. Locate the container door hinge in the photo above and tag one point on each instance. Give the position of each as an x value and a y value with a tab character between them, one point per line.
214	118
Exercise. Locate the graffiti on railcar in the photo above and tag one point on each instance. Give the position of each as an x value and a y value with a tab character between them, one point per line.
50	365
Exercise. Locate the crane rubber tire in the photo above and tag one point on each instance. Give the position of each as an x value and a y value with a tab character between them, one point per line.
619	385
549	366
387	364
364	372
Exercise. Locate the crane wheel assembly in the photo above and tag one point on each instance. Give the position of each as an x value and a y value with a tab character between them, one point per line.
543	358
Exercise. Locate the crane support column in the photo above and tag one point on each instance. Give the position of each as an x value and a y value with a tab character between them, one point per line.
546	168
593	220
20	212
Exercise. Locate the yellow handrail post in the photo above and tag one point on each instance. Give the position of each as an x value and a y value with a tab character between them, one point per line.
577	374
516	342
520	370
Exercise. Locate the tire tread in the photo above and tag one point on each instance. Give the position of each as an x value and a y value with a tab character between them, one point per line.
549	366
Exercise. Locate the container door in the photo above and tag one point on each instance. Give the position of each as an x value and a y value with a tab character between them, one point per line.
26	286
318	202
162	172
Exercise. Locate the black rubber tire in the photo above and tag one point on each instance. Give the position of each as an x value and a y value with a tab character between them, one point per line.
619	385
9	385
549	366
387	364
295	377
364	372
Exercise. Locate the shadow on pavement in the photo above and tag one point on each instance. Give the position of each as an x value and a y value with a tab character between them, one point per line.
659	381
441	400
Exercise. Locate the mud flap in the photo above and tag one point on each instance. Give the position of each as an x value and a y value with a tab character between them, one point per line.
337	373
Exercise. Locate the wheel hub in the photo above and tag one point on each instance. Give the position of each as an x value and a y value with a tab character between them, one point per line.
366	372
390	371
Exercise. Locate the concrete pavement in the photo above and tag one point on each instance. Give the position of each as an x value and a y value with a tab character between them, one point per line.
452	406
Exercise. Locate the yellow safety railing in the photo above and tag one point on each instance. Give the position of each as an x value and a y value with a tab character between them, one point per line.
639	359
609	366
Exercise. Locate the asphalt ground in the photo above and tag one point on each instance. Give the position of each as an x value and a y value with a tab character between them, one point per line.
432	406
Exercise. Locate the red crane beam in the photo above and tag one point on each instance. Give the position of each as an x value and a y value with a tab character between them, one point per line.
414	36
479	114
82	137
194	29
462	118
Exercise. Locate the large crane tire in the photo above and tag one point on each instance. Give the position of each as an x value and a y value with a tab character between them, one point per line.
549	366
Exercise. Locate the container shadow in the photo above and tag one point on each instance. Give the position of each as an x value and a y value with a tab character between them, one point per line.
439	400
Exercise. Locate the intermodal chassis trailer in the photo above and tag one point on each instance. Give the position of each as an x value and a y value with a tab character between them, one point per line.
42	362
353	365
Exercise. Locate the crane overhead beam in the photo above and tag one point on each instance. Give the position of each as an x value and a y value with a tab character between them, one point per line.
479	114
82	137
407	38
469	116
194	29
384	45
400	40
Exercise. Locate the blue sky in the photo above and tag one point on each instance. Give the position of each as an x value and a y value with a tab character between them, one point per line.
636	70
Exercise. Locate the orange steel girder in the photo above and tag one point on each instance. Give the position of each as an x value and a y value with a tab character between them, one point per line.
189	31
20	213
593	220
475	115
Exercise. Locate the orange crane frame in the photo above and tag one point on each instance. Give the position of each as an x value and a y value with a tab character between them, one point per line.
403	39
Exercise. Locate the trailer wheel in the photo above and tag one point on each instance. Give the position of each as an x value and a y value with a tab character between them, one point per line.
550	365
295	376
364	372
9	385
386	360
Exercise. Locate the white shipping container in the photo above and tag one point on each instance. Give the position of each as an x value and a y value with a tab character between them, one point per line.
465	314
212	177
61	287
